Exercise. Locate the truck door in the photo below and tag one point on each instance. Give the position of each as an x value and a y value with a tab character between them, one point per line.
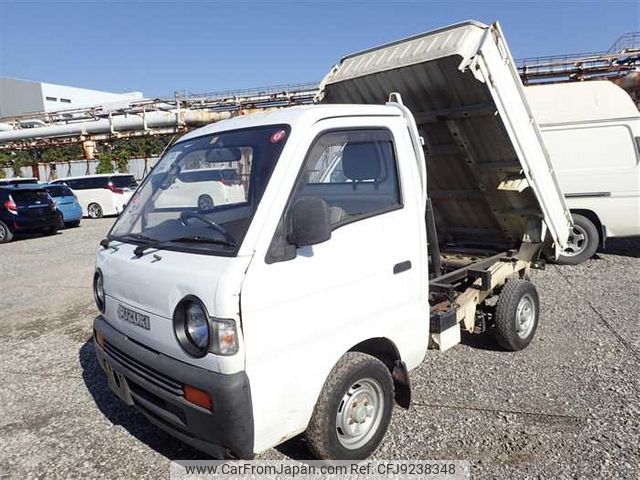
302	312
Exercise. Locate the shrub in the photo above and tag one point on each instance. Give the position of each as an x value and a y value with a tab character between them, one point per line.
105	163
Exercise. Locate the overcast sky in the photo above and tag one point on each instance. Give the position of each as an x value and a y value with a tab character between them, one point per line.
158	47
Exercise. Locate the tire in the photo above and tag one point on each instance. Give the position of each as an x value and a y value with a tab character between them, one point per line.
50	231
516	315
584	240
94	210
359	390
74	224
205	202
5	234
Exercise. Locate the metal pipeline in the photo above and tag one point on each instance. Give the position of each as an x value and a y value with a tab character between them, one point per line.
118	123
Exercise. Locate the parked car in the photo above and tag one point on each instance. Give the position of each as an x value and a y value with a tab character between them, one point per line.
101	195
67	203
591	131
204	188
26	208
18	181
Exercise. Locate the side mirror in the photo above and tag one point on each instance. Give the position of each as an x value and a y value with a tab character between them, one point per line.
309	222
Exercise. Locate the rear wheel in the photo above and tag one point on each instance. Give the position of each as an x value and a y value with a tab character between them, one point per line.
50	231
73	224
516	315
5	234
583	241
94	210
353	411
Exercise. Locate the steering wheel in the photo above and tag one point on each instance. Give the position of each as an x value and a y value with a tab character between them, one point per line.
185	216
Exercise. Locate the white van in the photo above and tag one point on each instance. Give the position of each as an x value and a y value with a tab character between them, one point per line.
204	188
592	133
303	305
99	195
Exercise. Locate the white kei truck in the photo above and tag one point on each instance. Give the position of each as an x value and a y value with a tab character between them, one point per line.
407	206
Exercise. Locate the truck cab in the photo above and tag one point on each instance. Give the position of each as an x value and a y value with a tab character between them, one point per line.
302	305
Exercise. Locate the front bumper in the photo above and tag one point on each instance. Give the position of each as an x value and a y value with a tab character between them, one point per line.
155	382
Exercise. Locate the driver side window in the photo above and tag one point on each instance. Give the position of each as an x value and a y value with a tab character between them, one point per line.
354	171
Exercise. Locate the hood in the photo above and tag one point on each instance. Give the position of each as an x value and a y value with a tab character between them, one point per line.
153	285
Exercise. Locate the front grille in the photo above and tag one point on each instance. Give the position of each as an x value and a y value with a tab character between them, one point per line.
152	376
142	395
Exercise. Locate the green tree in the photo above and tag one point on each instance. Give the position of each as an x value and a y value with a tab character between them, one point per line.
60	154
105	163
16	159
122	161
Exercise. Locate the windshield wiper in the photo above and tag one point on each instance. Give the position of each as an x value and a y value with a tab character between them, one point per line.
139	250
104	243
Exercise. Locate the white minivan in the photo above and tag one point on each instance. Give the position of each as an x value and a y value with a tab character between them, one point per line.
592	133
100	195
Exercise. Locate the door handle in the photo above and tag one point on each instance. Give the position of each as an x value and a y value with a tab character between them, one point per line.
401	267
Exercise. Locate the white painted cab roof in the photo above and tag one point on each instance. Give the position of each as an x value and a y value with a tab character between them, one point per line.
307	115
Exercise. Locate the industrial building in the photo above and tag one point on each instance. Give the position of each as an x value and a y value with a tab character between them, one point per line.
19	97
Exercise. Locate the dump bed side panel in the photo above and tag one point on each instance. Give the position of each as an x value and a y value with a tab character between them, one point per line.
488	173
502	78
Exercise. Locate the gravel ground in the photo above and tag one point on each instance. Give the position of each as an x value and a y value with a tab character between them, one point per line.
568	406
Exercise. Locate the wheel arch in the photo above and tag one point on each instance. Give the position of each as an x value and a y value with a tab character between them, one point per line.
595	219
387	352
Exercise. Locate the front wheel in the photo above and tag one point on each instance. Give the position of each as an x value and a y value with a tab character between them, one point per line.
94	210
583	241
353	411
516	315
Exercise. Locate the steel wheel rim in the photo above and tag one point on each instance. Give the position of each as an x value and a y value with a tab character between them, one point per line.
359	413
94	211
577	241
525	316
205	202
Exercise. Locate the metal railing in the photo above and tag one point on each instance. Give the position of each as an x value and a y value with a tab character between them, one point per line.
622	58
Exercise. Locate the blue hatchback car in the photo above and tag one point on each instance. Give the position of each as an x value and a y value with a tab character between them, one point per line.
67	203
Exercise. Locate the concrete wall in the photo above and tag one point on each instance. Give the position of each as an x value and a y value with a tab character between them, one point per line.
61	97
137	167
19	96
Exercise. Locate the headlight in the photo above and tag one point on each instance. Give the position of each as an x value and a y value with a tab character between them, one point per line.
98	290
198	334
192	327
197	326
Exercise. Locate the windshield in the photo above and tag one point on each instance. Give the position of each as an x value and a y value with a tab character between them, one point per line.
202	194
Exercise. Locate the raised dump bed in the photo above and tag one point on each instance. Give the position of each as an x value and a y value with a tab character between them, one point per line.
483	149
492	197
